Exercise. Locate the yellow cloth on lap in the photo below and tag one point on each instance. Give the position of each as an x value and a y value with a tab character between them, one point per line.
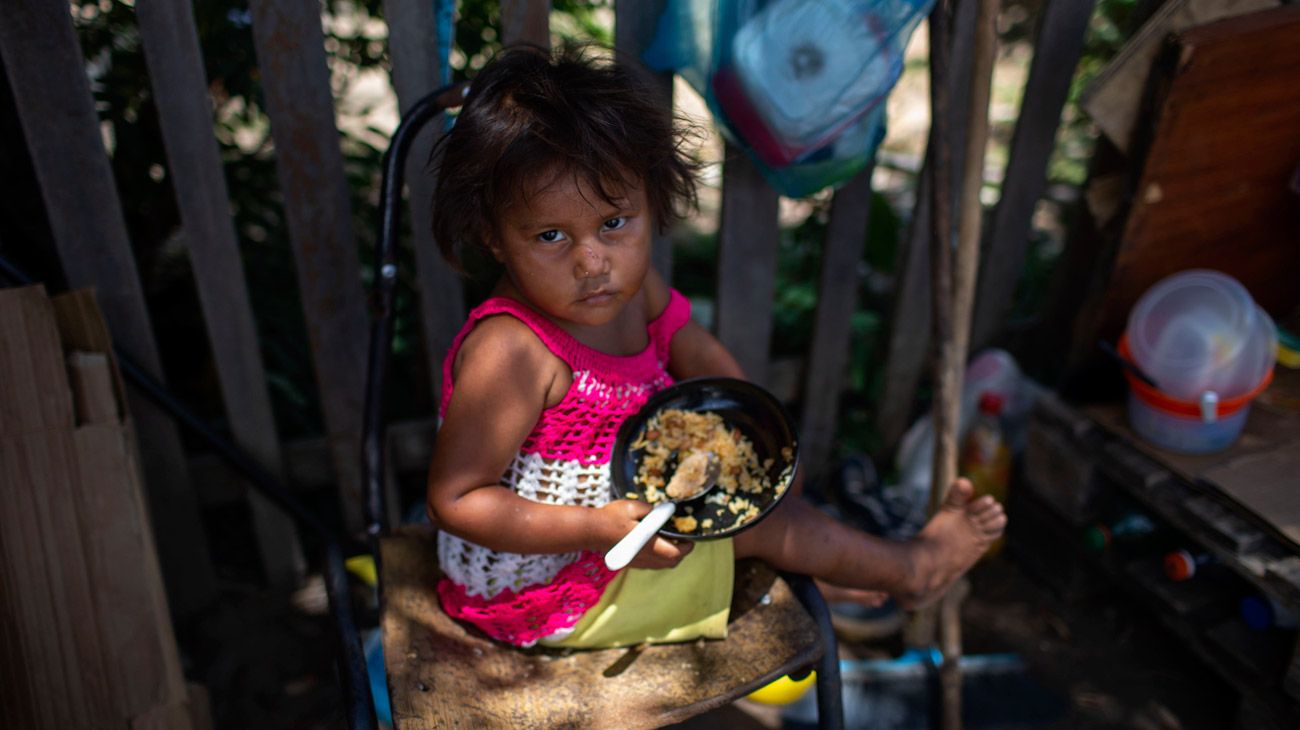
689	601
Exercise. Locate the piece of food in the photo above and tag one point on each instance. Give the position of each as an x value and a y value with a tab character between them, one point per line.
693	475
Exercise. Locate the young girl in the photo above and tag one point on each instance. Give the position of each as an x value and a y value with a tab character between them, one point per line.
561	167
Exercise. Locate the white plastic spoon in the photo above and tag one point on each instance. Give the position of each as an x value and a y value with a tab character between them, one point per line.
624	550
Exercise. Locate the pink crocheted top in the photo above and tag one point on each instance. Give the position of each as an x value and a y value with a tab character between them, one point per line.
564	460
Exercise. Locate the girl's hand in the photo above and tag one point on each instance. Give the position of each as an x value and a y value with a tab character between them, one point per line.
620	516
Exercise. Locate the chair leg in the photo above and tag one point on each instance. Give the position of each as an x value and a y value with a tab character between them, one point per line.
830	697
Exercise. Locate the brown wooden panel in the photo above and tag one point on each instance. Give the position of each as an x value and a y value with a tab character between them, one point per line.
415	74
121	556
747	254
526	21
1057	46
837	298
1215	188
635	24
909	317
441	674
47	72
171	47
295	82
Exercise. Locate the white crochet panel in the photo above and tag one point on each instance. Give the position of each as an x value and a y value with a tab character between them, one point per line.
485	572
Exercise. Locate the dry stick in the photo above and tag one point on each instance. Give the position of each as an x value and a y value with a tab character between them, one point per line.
945	386
954	285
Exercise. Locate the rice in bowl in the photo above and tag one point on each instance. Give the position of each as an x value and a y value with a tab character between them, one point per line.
745	484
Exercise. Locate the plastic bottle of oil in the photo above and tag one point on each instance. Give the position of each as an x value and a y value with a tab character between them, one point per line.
985	455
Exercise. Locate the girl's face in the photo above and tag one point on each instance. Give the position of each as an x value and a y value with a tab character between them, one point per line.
571	254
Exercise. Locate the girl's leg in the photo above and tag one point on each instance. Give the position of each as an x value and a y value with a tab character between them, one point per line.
799	538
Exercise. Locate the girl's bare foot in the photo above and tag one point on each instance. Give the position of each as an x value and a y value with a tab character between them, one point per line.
951	542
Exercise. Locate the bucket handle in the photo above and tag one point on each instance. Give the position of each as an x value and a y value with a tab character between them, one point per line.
1209	406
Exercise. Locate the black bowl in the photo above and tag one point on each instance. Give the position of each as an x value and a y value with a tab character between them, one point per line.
743	405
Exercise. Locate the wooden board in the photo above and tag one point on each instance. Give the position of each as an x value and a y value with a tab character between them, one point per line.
837	298
1057	45
441	674
48	75
295	83
1266	485
171	46
635	24
1114	98
1257	473
526	21
87	639
1214	191
748	239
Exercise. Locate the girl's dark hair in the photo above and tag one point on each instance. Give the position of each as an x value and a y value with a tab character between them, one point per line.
531	112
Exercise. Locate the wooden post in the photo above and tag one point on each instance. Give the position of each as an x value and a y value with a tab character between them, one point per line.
954	291
747	245
526	21
295	79
634	28
1057	46
171	46
837	297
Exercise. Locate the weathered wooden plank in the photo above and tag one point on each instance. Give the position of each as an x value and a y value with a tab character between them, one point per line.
909	320
47	72
635	24
526	21
139	648
748	238
1058	44
837	297
171	46
295	82
34	603
413	46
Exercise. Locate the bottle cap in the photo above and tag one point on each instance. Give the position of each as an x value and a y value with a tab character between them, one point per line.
1180	565
1097	538
1257	612
990	402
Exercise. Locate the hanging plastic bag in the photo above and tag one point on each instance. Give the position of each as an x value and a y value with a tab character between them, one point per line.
800	85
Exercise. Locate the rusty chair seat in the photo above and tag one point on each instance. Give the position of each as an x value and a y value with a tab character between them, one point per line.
442	673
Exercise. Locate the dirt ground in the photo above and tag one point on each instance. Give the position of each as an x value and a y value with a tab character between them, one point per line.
1105	662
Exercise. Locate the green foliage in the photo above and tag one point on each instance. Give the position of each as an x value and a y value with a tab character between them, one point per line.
354	43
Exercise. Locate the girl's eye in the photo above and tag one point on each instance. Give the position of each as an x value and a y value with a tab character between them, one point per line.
613	224
551	236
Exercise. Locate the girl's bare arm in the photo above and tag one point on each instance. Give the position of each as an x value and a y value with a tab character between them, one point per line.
504	378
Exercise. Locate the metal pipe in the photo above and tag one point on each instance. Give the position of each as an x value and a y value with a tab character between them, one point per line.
830	691
381	301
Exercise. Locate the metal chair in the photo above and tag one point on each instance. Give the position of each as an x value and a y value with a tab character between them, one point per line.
441	673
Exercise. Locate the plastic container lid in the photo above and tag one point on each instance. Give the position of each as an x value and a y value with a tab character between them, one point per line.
991	403
1097	538
1190	330
1180	565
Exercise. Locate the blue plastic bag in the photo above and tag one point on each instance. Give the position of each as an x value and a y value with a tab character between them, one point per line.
800	85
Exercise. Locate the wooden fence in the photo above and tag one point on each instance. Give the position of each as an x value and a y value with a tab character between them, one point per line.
47	70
